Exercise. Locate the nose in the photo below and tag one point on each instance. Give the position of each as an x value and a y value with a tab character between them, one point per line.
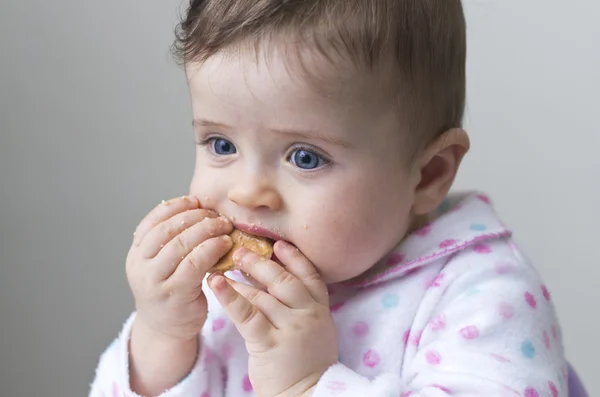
255	193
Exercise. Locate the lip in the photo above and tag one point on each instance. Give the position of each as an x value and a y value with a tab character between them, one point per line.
258	231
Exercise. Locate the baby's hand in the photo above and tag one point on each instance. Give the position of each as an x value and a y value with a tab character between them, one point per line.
289	332
173	247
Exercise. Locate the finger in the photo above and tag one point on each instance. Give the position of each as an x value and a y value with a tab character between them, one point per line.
275	311
190	272
279	282
247	318
162	212
163	233
299	265
183	243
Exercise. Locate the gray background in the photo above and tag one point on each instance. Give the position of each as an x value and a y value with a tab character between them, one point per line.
95	130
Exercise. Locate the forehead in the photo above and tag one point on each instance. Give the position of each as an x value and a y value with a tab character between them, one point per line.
287	75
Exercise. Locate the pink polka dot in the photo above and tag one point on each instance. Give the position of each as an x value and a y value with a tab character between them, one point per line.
405	337
205	394
506	310
435	281
360	329
504	267
442	388
530	299
115	390
531	392
546	293
482	249
218	324
336	387
226	351
471	332
336	307
500	358
371	359
424	231
483	198
246	384
553	389
438	322
209	355
416	339
407	393
395	260
447	243
546	338
433	357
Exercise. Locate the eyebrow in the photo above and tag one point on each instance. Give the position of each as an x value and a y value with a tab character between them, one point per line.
305	134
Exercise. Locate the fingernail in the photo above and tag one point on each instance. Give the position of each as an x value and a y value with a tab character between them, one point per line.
218	281
239	255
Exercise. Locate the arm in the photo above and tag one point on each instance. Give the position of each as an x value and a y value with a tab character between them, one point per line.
114	378
157	361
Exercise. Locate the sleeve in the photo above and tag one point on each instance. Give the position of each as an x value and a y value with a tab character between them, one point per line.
112	374
485	329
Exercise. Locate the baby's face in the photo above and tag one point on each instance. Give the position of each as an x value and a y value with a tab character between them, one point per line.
280	159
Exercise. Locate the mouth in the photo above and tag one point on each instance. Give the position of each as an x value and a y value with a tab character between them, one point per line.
259	231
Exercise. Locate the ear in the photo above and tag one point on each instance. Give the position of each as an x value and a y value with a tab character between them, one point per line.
437	167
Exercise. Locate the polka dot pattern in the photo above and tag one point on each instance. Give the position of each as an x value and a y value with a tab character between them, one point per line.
390	301
528	349
218	324
433	357
470	332
531	392
246	384
438	323
360	329
530	299
371	359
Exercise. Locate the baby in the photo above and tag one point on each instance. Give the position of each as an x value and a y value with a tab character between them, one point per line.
332	128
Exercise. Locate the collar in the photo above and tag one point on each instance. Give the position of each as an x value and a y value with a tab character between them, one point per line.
463	221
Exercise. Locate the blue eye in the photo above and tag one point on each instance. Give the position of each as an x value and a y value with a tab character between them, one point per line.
222	147
306	159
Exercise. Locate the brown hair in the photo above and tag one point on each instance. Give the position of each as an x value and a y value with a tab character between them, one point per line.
425	39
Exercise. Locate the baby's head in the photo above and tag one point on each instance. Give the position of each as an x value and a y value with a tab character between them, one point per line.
333	124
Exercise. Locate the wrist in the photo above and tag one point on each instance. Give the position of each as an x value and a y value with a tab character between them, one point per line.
145	331
158	361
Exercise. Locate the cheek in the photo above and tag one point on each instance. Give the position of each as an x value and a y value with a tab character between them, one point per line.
204	186
351	229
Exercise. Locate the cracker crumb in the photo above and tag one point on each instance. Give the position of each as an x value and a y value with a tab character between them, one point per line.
164	202
305	227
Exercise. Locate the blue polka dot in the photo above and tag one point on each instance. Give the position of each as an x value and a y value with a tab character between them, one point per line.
478	227
560	381
472	291
528	349
390	301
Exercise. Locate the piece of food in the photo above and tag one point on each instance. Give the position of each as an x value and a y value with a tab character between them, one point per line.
260	245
